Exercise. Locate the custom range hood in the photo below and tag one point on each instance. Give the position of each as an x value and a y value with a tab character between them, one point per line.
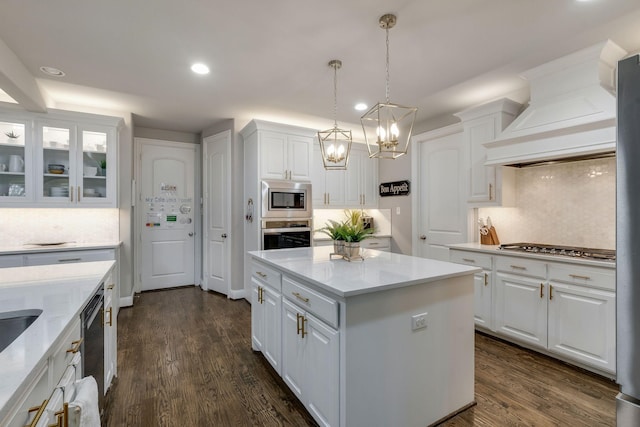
571	112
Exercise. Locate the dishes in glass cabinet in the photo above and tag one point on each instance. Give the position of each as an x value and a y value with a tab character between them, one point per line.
56	169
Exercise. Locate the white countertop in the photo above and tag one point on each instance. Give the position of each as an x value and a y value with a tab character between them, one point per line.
70	246
378	272
60	291
493	250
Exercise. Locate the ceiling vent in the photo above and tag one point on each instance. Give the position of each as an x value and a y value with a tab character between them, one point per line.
571	113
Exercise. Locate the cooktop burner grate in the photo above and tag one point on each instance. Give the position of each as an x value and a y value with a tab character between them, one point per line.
570	251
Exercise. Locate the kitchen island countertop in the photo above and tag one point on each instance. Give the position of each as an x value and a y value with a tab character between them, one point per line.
61	292
378	271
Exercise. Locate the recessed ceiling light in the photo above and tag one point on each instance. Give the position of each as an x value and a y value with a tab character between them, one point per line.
52	71
200	68
361	106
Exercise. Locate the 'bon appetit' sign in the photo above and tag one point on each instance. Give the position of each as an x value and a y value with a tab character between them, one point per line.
396	188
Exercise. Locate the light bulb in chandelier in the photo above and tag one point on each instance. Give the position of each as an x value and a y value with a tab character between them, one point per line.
335	155
388	137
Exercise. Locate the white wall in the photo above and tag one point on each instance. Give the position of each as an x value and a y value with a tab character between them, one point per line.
397	170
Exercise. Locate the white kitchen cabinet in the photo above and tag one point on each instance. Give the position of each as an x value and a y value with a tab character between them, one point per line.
488	185
11	261
355	187
582	315
378	243
328	185
110	329
310	362
69	257
283	152
61	159
266	313
482	285
361	179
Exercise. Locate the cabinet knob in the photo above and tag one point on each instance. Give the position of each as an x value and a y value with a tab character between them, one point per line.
223	235
190	233
423	237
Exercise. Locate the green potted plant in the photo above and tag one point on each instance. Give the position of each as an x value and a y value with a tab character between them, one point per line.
354	233
103	166
336	231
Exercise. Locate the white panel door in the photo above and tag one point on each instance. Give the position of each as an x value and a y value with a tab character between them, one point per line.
167	187
217	212
299	157
293	364
442	210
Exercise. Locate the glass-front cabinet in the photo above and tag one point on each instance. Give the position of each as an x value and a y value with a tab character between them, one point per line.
68	162
15	168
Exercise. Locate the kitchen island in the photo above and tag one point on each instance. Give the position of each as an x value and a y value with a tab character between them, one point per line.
384	341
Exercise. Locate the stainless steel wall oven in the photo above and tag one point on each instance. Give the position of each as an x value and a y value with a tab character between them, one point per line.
286	233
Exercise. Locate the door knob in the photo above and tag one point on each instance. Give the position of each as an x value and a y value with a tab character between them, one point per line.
190	233
423	237
224	235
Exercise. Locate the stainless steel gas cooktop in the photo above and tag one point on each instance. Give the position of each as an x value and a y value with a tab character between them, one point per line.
569	251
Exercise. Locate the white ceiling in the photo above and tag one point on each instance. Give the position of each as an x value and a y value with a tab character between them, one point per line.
268	59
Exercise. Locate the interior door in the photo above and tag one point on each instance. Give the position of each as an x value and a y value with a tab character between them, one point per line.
217	212
166	217
442	211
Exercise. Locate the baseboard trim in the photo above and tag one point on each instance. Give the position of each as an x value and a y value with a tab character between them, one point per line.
126	301
236	294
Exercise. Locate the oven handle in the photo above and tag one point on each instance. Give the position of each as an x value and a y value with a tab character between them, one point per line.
284	230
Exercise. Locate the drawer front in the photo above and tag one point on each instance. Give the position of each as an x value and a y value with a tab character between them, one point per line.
63	355
323	307
521	266
266	275
470	258
380	243
70	257
583	275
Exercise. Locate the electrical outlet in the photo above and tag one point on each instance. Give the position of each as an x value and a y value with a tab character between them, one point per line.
398	210
418	321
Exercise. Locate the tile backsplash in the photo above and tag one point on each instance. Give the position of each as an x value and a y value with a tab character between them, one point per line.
23	226
570	204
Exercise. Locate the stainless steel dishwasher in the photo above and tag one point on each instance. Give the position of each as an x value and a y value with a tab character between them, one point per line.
92	349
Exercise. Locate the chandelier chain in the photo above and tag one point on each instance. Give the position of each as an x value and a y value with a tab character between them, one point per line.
387	68
335	95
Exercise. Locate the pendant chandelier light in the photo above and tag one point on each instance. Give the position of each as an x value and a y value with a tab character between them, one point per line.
387	127
335	143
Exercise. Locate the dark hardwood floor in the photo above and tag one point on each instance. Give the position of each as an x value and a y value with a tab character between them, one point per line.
185	359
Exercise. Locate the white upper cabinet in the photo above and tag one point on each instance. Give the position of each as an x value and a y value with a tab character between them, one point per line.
283	152
355	187
488	185
60	159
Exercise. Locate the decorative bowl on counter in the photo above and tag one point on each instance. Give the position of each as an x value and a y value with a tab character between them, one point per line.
56	169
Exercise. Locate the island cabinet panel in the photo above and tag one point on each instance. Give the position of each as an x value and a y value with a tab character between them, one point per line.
349	351
266	308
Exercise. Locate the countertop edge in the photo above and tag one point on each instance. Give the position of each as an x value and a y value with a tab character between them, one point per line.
27	249
493	250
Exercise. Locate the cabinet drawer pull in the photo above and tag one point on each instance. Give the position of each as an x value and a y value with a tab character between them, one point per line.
75	346
70	260
300	297
518	267
111	286
486	279
303	331
110	311
298	327
62	417
374	244
577	276
40	411
260	296
541	290
79	192
550	292
469	260
261	274
71	194
490	191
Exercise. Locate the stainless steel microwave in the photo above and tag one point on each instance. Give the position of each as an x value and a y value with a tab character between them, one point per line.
286	199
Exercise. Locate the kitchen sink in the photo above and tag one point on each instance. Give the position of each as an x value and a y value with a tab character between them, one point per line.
14	323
